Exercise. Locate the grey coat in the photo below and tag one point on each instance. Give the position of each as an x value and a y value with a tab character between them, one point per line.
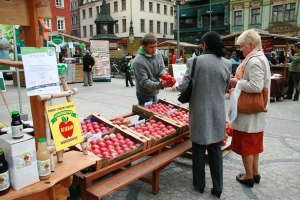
254	79
207	115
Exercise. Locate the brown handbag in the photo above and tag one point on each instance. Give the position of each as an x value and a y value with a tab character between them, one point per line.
251	103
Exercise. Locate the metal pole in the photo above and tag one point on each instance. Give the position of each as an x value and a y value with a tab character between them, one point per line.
178	61
209	15
17	69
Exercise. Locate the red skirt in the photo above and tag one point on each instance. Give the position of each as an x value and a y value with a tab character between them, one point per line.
246	144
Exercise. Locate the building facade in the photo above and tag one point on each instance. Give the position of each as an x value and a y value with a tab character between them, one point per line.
75	17
142	16
61	19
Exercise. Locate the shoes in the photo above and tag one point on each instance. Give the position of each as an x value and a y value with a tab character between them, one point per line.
256	178
85	85
200	190
90	85
127	85
295	99
288	97
216	193
249	182
132	85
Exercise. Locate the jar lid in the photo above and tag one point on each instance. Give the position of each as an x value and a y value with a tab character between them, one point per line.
15	112
42	140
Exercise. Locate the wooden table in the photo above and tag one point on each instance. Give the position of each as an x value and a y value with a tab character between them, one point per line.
73	162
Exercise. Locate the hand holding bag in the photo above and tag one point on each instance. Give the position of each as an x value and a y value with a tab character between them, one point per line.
251	103
185	96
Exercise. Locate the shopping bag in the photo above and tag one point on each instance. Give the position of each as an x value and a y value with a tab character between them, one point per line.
233	103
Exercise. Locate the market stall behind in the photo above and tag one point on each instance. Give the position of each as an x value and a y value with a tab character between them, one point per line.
169	47
269	42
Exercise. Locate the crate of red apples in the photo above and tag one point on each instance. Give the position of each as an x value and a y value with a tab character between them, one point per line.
114	146
156	129
96	124
163	107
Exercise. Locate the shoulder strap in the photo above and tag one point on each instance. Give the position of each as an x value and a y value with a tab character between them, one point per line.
193	67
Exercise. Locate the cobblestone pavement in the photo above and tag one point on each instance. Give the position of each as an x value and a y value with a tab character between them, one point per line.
279	163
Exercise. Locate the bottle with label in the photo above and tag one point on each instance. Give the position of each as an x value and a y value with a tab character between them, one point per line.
16	125
43	159
4	175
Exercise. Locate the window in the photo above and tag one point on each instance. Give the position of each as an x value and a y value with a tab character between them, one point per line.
75	5
59	3
255	16
171	28
158	8
150	7
237	18
61	23
84	31
48	22
151	26
142	25
171	11
165	27
165	10
123	4
71	6
90	12
277	14
289	12
91	30
116	27
97	10
124	25
72	20
108	7
83	14
142	5
76	19
216	20
158	27
115	6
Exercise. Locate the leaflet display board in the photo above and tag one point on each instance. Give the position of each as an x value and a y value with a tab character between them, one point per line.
100	53
178	72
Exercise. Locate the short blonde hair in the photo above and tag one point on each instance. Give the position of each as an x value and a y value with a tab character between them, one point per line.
249	36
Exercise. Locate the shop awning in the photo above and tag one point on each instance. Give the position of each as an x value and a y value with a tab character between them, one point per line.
216	9
122	42
188	13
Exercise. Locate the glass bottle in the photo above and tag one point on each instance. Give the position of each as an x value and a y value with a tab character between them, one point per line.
16	125
43	159
4	175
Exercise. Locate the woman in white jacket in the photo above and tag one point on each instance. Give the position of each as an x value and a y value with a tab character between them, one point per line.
253	75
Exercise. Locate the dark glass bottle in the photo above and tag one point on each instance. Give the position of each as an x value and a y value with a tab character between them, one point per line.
4	175
16	125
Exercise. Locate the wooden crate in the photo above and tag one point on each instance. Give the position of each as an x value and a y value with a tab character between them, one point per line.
22	79
78	73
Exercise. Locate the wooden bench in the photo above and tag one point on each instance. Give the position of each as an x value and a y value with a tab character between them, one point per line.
139	171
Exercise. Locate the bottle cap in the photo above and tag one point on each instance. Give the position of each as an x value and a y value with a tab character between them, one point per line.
1	150
15	112
42	140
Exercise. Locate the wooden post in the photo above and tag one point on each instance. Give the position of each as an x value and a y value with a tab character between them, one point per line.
32	40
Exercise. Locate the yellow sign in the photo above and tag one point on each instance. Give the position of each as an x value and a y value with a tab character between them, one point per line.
64	125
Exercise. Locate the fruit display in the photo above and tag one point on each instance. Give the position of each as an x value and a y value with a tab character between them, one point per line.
121	121
153	129
112	145
94	127
180	116
160	108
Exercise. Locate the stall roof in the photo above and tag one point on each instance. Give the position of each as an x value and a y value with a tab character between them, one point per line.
73	38
174	43
265	34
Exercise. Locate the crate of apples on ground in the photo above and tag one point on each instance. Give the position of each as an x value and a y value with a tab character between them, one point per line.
115	146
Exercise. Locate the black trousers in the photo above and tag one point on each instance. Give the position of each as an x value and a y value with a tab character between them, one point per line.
128	78
293	84
215	161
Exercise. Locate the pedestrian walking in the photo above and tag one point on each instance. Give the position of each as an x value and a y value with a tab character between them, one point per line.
88	63
128	73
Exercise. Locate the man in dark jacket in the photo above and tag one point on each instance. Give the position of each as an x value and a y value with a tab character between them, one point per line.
88	63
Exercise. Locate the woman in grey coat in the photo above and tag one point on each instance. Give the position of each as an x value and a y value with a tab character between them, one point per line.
207	115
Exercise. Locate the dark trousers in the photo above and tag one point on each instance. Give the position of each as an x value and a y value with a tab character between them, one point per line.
128	78
293	83
215	161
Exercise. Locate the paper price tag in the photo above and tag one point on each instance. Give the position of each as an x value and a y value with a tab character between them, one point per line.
140	122
148	103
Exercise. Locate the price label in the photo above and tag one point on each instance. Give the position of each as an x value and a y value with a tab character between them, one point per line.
148	103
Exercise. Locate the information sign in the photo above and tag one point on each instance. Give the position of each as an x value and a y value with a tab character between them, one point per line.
178	72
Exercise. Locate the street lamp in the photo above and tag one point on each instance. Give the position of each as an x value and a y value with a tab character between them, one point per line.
131	34
178	61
